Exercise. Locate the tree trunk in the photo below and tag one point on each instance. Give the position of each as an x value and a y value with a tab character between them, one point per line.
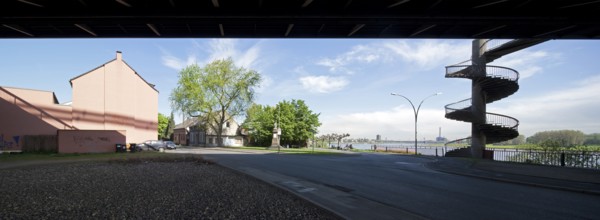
219	136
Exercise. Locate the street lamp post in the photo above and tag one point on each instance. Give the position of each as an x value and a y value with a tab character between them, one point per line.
416	111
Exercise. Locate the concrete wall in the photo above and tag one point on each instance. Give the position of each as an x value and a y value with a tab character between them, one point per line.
89	141
29	112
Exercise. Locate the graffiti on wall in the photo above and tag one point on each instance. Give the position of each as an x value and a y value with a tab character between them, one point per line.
10	143
89	140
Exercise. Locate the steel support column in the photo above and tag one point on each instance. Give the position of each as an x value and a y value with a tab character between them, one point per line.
478	105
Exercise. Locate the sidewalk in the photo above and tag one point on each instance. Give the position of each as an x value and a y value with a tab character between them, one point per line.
562	178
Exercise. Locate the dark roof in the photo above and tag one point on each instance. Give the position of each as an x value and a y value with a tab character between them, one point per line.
187	123
136	73
550	19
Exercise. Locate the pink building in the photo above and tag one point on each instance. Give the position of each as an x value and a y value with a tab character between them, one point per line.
113	96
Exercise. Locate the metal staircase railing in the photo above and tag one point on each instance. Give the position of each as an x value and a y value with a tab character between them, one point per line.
463	105
496	81
459	142
491	118
468	71
501	120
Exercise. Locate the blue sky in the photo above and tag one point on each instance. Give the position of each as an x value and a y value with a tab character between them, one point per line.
348	81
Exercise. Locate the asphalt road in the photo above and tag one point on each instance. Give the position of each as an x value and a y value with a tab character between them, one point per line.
380	186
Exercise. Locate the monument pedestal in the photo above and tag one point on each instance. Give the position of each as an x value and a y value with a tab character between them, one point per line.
275	142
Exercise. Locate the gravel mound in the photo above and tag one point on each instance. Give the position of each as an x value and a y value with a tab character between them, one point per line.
145	189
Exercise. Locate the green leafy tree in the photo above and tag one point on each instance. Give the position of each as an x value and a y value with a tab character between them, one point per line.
259	124
592	139
171	127
163	123
326	138
562	138
515	141
339	137
518	140
216	93
297	122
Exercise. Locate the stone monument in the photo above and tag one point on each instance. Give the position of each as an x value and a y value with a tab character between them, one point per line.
275	142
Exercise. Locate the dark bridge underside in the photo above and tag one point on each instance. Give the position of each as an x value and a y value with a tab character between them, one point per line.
551	19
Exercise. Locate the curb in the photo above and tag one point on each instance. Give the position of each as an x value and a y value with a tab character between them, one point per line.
594	192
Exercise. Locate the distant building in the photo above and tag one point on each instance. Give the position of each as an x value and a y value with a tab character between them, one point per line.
110	97
439	138
378	138
183	131
191	132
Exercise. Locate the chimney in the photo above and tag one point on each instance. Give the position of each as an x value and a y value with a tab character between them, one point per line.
119	56
440	135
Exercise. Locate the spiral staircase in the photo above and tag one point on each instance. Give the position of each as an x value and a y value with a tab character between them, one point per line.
496	83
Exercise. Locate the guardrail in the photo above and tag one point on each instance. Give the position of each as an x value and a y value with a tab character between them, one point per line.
423	150
579	159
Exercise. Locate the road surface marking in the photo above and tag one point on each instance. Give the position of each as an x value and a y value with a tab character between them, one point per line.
297	187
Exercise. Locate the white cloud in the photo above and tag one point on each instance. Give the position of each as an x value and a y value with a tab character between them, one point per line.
265	83
574	107
429	54
323	84
425	54
395	124
358	54
215	50
526	62
224	48
176	63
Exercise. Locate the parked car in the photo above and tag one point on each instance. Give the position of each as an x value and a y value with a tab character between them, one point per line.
157	145
171	145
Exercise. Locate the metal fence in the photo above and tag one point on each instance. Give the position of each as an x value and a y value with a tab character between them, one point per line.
410	149
580	159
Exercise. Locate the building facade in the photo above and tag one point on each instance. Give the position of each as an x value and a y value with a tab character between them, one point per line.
192	133
112	96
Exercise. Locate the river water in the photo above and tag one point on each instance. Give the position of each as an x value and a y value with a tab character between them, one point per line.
423	148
